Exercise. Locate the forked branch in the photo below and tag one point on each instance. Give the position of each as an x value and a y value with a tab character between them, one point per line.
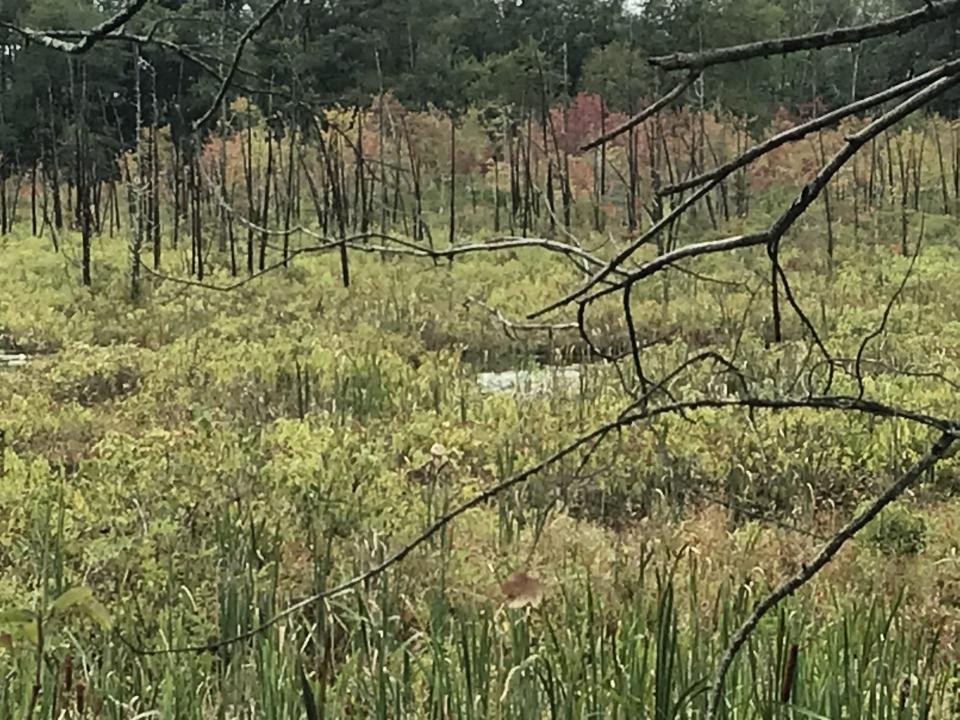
810	192
799	132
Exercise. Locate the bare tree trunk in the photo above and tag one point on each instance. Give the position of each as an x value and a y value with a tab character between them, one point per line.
83	199
177	182
265	213
339	210
917	167
826	204
527	179
288	208
856	202
33	198
453	180
3	198
904	195
496	194
54	167
360	183
198	217
945	196
137	207
251	203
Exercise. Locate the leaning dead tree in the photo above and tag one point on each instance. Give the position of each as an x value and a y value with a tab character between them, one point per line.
824	381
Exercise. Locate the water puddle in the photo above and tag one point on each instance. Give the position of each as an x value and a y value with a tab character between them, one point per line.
12	360
531	382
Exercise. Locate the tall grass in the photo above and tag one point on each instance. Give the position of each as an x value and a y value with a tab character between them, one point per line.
643	648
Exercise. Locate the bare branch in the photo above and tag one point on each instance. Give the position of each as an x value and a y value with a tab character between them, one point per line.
937	452
504	242
800	131
88	39
882	326
846	403
613	265
400	246
511	326
648	111
848	365
807	323
812	41
251	30
667	259
634	341
778	229
580	258
331	245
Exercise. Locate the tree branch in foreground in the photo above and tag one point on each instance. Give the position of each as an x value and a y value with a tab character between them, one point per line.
798	132
810	192
938	451
812	41
88	39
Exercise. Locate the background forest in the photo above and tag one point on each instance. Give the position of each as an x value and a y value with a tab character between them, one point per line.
493	57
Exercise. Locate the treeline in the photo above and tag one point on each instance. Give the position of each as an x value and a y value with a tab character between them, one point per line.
72	123
451	54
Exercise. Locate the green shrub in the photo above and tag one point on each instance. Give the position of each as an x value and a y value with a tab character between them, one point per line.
897	531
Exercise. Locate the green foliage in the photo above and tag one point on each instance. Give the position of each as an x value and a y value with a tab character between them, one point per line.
279	439
201	459
898	530
81	599
620	74
450	55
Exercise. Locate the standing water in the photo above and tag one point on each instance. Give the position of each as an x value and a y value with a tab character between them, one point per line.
8	360
530	382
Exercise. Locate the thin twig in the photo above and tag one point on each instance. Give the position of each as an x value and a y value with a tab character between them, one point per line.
510	326
882	326
251	30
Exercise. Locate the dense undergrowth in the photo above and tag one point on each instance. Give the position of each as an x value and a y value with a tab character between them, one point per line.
201	459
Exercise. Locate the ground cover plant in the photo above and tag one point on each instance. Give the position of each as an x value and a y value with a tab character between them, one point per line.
201	459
